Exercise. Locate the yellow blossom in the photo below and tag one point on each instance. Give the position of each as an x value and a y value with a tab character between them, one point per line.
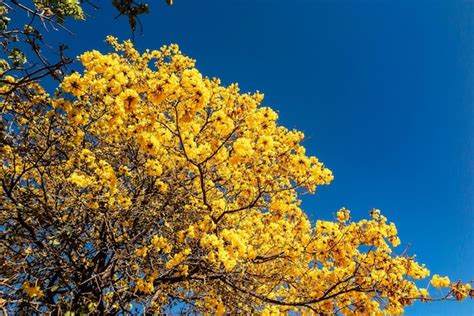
439	281
343	215
153	168
32	290
80	180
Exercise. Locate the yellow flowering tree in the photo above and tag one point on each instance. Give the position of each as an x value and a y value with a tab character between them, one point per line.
142	186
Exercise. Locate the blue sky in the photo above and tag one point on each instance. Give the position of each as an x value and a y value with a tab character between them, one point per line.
382	89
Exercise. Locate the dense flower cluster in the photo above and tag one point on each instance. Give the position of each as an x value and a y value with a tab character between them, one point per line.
142	184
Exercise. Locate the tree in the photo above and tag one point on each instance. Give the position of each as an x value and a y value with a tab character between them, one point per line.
142	186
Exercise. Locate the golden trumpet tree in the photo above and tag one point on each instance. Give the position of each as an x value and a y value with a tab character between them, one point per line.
142	186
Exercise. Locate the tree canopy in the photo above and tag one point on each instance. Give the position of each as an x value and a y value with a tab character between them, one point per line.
142	186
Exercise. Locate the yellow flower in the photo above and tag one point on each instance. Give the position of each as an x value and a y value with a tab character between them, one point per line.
156	94
424	293
394	240
149	143
32	290
130	100
114	87
438	281
153	168
141	252
144	286
80	180
158	243
375	213
74	84
265	143
93	205
243	147
343	215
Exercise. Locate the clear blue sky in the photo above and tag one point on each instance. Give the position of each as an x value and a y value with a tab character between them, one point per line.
382	89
